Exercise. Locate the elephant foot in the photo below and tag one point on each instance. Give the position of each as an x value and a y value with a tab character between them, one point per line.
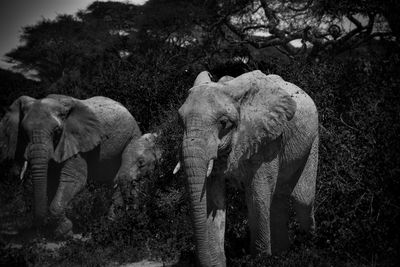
64	230
303	237
222	259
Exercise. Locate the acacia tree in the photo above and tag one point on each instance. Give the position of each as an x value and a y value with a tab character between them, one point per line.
317	24
207	31
65	47
235	28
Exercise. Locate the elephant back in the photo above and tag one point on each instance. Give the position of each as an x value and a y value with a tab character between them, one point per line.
108	110
118	124
306	114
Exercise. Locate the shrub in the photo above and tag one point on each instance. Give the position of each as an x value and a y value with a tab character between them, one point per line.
357	202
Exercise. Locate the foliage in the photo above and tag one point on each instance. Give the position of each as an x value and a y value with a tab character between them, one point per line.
357	200
62	48
357	204
74	49
13	85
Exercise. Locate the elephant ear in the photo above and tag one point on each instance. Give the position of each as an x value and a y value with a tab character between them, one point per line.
151	139
157	149
265	108
12	143
81	132
202	78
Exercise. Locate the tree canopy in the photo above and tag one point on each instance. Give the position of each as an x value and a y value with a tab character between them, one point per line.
104	31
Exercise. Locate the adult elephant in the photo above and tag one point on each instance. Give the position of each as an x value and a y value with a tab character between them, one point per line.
76	138
261	133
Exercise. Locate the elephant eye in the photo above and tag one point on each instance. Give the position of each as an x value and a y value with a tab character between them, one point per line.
225	126
225	123
141	163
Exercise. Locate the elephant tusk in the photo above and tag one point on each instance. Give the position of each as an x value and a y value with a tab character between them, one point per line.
177	168
56	119
210	167
23	170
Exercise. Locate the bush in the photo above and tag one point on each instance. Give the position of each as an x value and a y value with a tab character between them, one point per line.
359	151
357	203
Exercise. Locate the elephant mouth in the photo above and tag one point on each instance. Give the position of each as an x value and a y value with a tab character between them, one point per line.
57	136
224	146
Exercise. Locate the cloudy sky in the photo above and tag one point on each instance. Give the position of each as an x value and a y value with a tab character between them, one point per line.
14	14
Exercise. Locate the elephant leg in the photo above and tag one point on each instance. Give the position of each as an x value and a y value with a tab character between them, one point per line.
72	180
258	198
279	223
305	216
216	215
304	191
120	194
117	201
122	181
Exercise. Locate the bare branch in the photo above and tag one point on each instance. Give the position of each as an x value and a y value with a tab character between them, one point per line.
235	30
284	51
270	14
354	21
258	8
370	24
255	27
372	36
380	34
321	41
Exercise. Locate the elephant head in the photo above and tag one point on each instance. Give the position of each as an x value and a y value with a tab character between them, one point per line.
39	130
228	121
146	155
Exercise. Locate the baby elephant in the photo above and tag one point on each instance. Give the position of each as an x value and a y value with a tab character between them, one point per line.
78	139
146	154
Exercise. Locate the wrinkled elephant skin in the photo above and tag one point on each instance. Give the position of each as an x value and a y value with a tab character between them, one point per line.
94	138
260	133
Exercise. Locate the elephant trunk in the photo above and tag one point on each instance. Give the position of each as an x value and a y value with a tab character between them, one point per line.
195	165
38	158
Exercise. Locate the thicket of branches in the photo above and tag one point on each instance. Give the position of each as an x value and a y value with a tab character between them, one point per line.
147	57
77	47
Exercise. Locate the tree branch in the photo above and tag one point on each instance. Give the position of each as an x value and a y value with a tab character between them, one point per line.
270	14
354	21
370	24
281	38
255	10
255	27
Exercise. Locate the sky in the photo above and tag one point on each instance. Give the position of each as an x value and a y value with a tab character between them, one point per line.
15	14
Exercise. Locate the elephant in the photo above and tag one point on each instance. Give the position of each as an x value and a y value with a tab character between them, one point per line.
71	140
146	155
260	134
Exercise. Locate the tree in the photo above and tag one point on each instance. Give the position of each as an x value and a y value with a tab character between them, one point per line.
73	49
13	85
63	47
244	28
315	23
